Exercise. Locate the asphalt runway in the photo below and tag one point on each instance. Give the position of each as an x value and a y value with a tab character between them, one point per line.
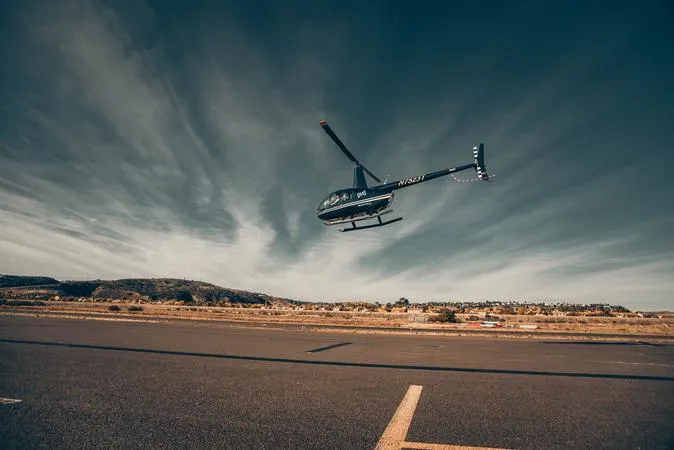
87	383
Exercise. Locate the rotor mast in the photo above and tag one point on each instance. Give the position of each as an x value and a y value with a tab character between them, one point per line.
359	181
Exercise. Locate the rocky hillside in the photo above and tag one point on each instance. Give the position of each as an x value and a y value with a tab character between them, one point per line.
20	280
139	289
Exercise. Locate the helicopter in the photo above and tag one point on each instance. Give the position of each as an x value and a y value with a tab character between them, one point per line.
362	202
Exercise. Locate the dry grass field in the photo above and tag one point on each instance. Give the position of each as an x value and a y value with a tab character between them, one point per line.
544	325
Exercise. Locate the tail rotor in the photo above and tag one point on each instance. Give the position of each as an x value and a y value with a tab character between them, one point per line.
479	166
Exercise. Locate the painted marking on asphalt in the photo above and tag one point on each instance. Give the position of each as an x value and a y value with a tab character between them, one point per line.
328	347
396	431
429	446
639	363
9	401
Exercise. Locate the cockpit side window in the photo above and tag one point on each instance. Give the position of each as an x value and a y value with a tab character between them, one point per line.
334	199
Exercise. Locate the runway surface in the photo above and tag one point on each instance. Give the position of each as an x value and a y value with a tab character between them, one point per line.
86	383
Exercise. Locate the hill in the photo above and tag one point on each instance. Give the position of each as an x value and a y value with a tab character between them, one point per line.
137	289
20	281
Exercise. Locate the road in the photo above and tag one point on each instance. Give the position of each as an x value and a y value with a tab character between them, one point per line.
88	383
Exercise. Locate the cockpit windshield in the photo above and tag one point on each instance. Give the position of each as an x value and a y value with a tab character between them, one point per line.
334	199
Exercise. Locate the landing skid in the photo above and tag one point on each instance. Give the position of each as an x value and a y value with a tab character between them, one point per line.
374	225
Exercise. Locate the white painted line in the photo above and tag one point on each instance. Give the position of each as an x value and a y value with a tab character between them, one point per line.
396	431
639	364
8	401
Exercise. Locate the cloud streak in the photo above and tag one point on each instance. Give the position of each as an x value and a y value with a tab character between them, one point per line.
191	148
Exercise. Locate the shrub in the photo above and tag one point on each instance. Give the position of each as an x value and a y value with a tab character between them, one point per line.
135	308
445	317
114	308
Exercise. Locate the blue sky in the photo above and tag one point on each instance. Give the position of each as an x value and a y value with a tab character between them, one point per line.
182	139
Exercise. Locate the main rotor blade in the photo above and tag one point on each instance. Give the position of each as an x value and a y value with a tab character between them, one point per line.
346	151
371	174
338	141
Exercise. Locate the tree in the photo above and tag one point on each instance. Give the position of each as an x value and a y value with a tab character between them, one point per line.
185	296
448	316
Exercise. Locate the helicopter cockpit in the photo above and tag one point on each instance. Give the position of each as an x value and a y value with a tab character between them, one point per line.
334	199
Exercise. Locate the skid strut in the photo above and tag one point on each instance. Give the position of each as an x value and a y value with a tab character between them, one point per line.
374	225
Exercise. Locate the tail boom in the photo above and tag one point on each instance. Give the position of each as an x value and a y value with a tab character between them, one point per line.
478	165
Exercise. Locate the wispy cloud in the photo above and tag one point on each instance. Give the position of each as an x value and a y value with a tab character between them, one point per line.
191	148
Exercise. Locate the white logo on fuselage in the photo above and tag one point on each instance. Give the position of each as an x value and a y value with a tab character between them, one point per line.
361	194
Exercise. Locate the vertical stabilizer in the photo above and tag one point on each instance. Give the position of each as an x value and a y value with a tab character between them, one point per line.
480	167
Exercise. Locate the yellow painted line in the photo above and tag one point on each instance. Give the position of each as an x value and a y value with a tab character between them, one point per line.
429	446
396	431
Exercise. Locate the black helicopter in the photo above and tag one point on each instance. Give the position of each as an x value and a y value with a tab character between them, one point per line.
361	202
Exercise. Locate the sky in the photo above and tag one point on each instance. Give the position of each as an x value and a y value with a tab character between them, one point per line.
182	139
